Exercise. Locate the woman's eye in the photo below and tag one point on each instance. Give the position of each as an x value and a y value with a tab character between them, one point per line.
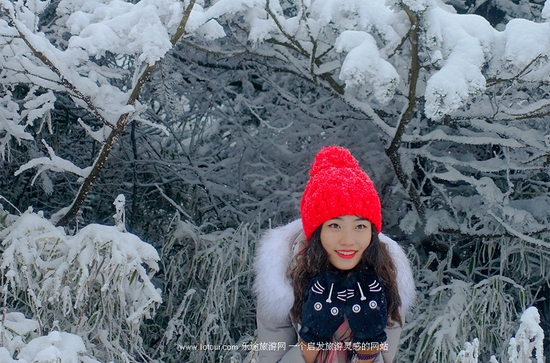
334	225
360	226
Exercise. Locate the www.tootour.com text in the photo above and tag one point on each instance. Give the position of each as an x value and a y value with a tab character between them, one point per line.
244	346
207	347
271	346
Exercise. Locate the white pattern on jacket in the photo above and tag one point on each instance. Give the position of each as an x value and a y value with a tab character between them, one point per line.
276	297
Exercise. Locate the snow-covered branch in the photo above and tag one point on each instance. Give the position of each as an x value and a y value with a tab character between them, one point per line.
50	56
120	126
53	163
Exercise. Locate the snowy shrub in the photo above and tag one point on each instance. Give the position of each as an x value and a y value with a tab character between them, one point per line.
18	338
478	295
208	299
527	342
470	352
95	284
528	338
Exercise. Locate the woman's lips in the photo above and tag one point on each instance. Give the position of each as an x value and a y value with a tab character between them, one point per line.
346	254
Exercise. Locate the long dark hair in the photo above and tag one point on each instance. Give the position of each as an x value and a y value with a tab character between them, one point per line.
313	260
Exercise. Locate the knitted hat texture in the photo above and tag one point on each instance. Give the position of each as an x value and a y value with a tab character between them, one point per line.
337	187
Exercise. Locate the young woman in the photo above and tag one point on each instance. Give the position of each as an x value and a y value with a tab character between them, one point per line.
331	288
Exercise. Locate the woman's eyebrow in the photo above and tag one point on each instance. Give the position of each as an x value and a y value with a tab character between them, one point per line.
359	219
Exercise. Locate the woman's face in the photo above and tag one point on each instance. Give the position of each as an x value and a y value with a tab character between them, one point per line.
345	239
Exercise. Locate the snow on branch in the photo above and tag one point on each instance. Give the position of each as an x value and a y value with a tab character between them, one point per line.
98	135
440	135
514	232
53	163
458	52
461	44
467	50
10	124
485	186
119	28
36	107
523	41
144	32
63	64
120	215
470	353
363	65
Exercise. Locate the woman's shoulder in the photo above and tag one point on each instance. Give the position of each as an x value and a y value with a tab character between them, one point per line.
405	278
273	256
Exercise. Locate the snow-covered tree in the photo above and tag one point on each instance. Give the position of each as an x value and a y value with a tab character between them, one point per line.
76	61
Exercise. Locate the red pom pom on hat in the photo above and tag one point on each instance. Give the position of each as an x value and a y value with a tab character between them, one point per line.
337	187
333	157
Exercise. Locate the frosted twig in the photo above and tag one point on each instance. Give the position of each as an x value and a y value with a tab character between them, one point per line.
520	235
11	204
174	204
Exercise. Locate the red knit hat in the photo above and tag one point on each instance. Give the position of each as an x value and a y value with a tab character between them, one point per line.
337	187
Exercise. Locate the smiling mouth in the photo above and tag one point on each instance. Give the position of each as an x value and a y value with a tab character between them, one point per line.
346	254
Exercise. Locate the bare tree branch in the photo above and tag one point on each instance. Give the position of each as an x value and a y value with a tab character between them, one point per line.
393	149
298	47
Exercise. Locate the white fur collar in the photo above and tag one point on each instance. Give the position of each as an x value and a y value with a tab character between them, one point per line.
272	286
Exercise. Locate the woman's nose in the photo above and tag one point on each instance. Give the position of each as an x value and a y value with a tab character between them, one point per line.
347	238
